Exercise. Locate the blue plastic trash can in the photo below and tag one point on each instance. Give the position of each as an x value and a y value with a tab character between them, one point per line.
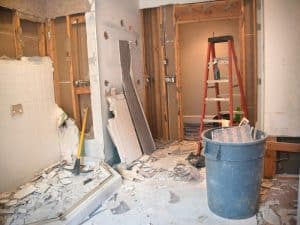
233	175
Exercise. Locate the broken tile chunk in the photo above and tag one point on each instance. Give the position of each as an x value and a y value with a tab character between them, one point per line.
27	190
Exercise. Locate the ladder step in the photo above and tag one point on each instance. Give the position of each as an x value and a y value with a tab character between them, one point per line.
234	112
220	60
209	116
227	95
213	86
211	121
217	99
217	81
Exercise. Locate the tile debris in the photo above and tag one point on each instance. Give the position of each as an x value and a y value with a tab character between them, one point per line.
49	196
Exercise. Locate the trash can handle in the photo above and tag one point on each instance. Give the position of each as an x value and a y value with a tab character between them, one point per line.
212	151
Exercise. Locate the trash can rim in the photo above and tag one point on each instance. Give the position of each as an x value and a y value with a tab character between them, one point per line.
231	143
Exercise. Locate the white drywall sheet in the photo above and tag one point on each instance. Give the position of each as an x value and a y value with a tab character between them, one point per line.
29	141
281	58
122	130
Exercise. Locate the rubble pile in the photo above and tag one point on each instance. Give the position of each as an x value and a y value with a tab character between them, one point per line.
49	195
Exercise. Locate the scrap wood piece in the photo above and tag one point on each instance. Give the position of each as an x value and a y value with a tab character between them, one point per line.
136	111
122	131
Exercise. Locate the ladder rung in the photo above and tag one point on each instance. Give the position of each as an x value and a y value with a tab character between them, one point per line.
217	99
220	60
211	121
234	112
227	95
217	81
235	85
211	86
209	116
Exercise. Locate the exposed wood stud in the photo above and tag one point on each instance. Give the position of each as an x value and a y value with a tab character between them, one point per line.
17	35
270	160
42	41
75	106
51	52
187	13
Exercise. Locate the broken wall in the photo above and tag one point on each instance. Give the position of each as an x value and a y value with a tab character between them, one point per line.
281	67
193	49
117	20
29	138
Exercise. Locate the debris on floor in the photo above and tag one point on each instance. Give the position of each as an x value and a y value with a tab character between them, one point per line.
196	160
278	201
49	196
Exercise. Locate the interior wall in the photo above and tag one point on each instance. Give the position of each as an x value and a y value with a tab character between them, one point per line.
56	8
193	49
31	7
110	30
29	141
281	67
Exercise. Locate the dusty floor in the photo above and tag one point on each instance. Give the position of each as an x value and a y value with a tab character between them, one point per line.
165	189
161	189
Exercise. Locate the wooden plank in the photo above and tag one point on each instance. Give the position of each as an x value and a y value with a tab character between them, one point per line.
77	19
165	115
178	84
134	105
170	69
42	41
283	146
17	35
250	64
75	106
51	52
82	90
270	161
207	11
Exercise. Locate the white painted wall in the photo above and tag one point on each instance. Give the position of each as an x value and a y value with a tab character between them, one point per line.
109	13
29	142
281	67
156	3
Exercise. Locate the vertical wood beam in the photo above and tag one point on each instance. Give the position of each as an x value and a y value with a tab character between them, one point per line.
51	52
17	35
165	115
270	160
75	105
178	82
42	41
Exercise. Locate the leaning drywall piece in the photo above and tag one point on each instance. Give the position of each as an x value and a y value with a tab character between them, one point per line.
134	105
122	130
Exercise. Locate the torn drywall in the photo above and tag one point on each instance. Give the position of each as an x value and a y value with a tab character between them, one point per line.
29	138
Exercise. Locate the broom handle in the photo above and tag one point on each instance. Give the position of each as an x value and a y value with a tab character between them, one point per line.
82	132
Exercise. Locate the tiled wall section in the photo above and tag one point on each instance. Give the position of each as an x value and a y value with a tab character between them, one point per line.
28	141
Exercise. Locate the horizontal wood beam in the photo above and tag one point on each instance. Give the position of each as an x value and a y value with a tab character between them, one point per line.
208	10
283	146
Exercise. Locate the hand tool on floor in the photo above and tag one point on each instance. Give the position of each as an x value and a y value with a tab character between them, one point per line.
76	169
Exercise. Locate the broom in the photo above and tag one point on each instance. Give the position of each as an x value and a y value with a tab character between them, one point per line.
76	169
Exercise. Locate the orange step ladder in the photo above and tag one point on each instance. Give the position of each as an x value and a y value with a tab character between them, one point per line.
213	61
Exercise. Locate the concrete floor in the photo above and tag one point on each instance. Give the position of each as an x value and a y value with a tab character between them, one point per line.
163	199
